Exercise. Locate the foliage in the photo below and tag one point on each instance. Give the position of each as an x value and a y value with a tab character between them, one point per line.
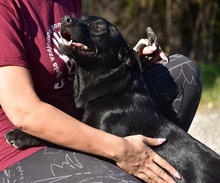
190	27
211	85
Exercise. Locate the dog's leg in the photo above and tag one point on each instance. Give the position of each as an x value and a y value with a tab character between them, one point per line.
21	140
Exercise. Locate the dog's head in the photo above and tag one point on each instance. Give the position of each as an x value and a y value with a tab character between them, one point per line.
95	43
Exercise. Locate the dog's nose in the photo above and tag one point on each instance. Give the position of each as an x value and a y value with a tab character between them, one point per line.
67	20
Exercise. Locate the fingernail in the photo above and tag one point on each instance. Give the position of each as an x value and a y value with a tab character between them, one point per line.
177	175
166	59
161	140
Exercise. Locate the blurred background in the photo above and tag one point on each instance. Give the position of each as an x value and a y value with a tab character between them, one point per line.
189	27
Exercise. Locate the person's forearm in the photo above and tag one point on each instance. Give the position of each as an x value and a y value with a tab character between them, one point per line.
27	112
53	125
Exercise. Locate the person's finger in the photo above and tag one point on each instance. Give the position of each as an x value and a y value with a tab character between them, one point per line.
145	178
162	54
164	164
141	43
159	160
148	50
155	178
159	172
153	141
158	56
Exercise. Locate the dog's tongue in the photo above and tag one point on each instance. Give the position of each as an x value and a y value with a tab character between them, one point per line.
74	45
77	44
68	43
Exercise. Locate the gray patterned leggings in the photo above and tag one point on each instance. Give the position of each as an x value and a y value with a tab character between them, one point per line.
175	87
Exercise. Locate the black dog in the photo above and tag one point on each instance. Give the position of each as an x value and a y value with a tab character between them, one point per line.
109	87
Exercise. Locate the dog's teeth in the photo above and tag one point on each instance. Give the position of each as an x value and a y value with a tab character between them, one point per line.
85	47
66	42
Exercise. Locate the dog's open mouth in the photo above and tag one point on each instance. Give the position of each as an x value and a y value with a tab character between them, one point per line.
79	48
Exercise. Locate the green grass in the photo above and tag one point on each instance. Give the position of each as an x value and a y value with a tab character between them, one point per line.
211	85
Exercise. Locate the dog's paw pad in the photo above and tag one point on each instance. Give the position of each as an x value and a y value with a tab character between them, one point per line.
16	138
13	143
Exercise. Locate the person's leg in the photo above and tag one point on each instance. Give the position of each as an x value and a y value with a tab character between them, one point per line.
55	165
176	88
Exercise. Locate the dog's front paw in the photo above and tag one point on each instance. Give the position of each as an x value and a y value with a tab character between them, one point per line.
21	140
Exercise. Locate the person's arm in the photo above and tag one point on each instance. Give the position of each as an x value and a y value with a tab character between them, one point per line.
30	114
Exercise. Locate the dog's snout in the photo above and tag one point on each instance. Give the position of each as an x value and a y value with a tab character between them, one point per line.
67	20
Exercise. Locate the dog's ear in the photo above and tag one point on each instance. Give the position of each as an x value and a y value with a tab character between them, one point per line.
125	54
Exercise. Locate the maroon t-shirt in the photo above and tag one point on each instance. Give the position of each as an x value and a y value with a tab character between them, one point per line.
29	36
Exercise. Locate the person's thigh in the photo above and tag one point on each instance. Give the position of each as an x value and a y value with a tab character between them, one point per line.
55	165
176	88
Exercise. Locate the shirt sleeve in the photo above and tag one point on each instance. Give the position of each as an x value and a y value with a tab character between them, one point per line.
12	51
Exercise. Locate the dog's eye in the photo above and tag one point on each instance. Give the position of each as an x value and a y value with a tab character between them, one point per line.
98	28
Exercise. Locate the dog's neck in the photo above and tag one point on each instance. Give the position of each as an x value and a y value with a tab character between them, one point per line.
89	85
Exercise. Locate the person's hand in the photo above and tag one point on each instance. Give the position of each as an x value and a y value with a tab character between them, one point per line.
149	49
141	161
143	49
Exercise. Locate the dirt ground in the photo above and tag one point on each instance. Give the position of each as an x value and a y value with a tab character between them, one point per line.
206	128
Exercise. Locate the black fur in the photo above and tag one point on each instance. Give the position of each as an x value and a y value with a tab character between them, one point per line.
110	88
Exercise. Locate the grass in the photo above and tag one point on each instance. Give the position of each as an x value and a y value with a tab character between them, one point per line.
211	85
